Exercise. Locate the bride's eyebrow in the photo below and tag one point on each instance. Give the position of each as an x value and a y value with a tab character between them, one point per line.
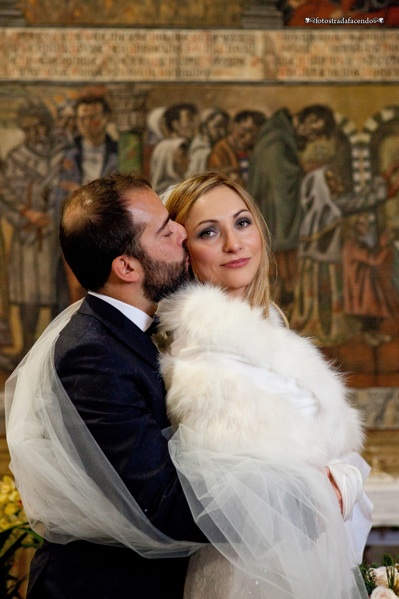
215	220
205	222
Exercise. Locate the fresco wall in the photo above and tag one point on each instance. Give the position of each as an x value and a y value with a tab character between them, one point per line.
223	58
343	289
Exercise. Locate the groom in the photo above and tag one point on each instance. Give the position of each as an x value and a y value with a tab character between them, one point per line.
123	248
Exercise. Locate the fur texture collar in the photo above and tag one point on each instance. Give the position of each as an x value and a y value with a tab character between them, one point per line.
243	382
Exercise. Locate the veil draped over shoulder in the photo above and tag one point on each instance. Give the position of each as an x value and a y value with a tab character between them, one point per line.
68	487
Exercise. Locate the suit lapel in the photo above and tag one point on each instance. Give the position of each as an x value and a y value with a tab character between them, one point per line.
121	327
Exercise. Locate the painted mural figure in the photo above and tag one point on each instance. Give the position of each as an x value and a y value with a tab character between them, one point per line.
384	149
5	329
30	171
181	120
231	154
169	163
155	132
65	123
275	176
368	293
319	306
94	153
213	127
170	159
5	332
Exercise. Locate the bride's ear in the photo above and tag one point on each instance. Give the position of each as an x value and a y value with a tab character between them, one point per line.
127	268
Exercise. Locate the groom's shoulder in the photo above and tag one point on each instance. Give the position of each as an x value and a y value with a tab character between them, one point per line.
89	325
100	331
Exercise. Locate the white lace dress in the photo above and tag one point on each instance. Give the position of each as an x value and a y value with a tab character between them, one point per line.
212	576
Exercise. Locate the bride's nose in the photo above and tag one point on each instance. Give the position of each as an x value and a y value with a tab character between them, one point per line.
231	242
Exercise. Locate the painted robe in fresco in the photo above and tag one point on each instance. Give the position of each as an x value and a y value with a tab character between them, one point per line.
28	183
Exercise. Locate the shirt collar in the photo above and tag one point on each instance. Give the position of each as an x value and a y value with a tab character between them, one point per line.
138	317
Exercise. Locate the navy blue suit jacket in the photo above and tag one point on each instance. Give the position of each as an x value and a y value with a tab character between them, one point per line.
109	369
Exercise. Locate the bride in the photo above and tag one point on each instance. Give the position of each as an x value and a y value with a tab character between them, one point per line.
265	435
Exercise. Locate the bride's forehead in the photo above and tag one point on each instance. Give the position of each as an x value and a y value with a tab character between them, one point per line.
223	202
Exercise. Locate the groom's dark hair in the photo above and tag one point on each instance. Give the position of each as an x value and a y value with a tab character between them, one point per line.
96	227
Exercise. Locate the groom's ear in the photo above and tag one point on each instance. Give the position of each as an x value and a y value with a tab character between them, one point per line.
127	268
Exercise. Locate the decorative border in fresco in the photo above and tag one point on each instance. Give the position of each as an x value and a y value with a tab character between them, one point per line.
163	55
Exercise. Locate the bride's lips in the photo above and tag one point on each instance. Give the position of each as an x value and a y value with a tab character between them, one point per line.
237	263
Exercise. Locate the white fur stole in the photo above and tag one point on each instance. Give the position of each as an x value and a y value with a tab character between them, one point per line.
232	377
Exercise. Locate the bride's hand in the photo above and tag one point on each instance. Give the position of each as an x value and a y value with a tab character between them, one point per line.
336	489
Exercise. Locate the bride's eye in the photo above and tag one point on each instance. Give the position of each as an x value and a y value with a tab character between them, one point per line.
243	222
207	233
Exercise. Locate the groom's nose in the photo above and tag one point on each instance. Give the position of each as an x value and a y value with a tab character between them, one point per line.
180	232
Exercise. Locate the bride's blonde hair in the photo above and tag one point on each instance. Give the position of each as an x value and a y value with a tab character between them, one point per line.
182	197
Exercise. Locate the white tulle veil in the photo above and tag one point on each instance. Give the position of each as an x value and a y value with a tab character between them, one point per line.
275	520
68	487
259	511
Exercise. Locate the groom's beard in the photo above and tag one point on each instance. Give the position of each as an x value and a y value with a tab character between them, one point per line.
162	278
